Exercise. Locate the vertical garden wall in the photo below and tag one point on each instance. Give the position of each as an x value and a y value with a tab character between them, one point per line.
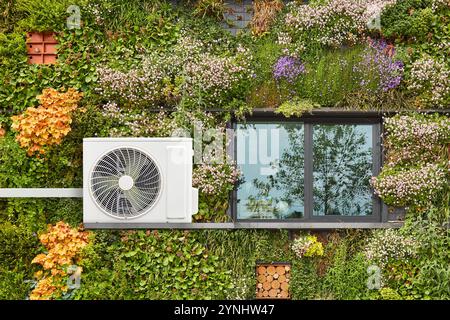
145	68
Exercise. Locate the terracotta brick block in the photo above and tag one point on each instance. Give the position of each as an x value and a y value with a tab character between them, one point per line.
41	47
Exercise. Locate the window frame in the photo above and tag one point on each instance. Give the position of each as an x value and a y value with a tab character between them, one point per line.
379	210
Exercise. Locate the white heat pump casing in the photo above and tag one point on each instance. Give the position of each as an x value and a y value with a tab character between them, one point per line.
176	201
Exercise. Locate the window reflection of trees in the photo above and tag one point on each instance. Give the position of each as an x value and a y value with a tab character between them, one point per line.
342	167
281	194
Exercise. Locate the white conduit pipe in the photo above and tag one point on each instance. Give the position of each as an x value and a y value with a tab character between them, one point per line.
41	193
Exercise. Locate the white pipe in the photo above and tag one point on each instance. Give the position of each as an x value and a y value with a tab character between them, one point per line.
41	193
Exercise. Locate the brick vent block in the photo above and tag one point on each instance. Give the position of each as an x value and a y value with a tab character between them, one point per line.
41	47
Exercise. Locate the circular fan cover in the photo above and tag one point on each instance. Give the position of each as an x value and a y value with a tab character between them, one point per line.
125	182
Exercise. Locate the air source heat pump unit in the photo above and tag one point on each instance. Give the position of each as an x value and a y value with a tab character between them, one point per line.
138	180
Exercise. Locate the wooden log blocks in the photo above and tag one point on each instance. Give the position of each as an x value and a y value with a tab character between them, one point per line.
272	280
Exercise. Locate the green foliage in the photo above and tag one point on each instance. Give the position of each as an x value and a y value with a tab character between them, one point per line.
347	277
59	168
211	8
212	209
12	48
416	149
18	246
212	264
389	294
28	213
155	265
305	282
307	246
17	169
151	22
44	15
14	285
408	19
265	54
8	15
240	250
330	76
266	95
23	82
431	230
296	107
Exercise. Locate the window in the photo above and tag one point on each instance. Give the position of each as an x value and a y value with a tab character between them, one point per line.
307	170
273	185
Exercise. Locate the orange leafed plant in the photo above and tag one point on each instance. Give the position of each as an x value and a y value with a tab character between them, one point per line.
265	12
47	124
63	245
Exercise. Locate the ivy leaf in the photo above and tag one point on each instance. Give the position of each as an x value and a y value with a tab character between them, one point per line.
130	254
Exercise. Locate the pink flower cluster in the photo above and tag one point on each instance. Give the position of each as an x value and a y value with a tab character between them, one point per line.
126	123
431	79
190	68
416	139
390	245
211	76
410	186
134	86
333	22
213	179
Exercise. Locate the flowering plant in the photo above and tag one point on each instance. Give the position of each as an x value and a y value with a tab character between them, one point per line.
126	122
63	246
407	186
190	71
378	70
139	84
288	68
307	246
416	160
417	138
47	124
388	245
332	23
430	79
211	78
213	179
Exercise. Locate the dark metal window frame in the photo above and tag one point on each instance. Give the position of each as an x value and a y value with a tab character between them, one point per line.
379	210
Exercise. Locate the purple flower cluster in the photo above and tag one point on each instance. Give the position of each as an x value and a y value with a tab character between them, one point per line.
379	64
288	68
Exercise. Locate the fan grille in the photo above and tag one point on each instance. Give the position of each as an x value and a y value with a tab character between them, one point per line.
131	201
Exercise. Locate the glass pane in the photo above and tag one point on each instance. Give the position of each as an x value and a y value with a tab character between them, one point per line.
270	157
342	167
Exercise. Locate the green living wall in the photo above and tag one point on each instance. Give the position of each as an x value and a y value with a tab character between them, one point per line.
145	68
